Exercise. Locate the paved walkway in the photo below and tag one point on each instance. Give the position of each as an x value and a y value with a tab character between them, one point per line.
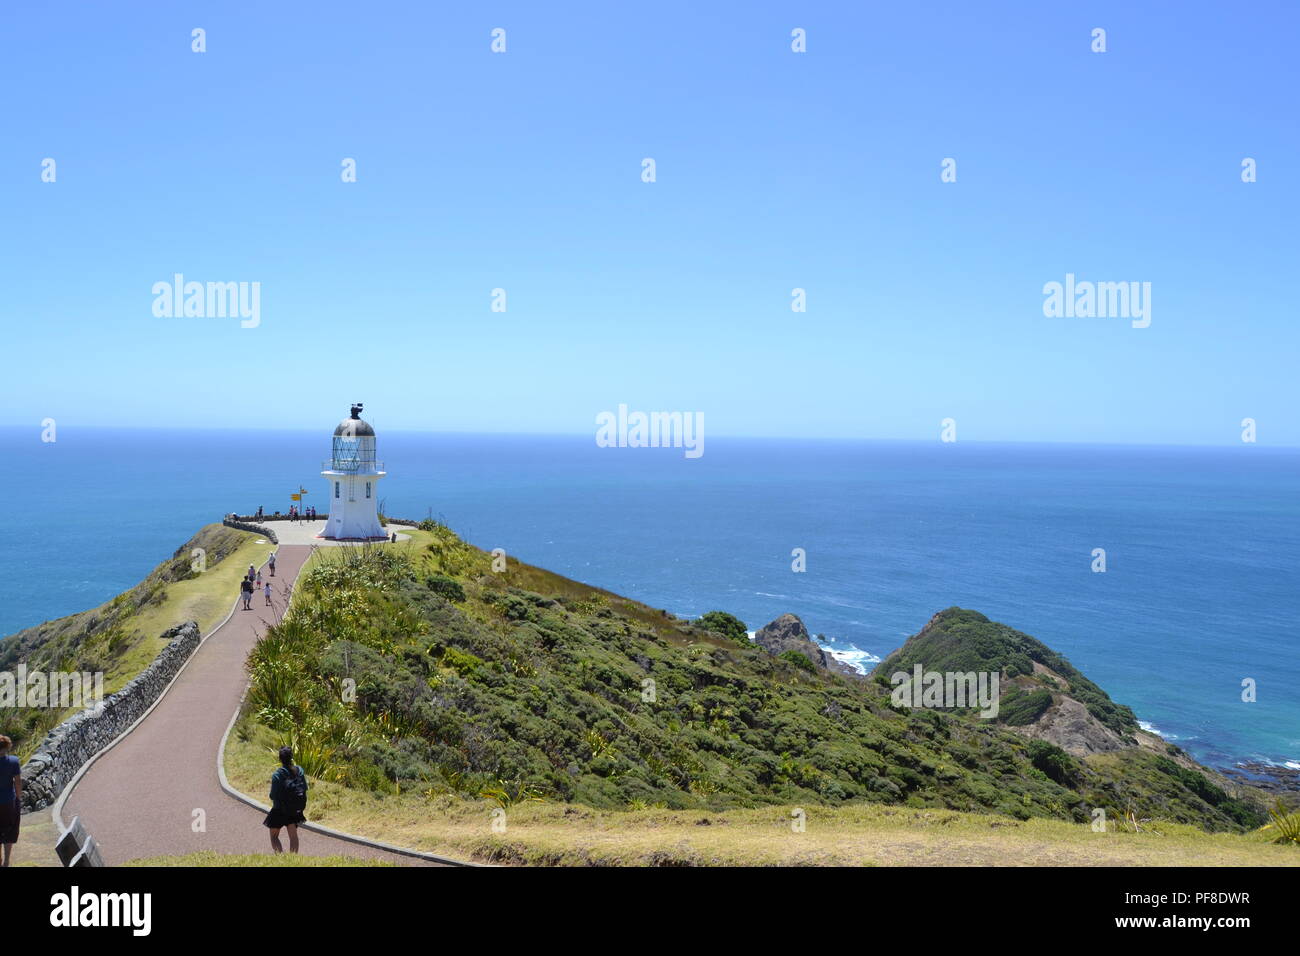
309	533
138	800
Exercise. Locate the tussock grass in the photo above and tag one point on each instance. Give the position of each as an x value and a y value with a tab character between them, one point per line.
1285	826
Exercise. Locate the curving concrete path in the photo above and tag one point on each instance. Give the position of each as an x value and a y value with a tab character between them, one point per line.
138	799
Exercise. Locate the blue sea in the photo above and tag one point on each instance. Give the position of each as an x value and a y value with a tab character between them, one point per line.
1201	544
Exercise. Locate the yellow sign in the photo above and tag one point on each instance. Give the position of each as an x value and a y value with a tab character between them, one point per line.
295	497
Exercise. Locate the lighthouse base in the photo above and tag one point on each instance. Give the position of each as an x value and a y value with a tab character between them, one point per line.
340	528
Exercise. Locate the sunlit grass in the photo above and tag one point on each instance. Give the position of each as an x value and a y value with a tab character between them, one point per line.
206	599
560	834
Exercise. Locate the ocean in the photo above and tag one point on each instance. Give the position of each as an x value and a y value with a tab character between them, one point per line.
1201	544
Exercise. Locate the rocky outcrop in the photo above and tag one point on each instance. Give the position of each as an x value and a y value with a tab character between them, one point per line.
788	633
68	747
1068	724
1267	777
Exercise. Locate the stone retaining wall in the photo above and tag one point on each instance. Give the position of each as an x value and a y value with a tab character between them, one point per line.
255	528
68	747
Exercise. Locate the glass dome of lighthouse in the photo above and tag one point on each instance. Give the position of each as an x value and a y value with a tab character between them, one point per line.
353	449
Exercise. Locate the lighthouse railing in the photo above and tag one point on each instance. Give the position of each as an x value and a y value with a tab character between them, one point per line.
351	465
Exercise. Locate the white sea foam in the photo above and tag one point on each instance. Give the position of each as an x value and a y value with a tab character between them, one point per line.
1287	764
855	657
1153	729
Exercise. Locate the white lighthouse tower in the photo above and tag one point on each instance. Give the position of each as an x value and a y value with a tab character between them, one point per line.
353	475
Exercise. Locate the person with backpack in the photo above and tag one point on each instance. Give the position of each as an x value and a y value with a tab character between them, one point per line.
288	801
11	800
270	562
246	592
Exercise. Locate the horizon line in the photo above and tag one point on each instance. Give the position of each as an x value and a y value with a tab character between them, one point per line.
840	439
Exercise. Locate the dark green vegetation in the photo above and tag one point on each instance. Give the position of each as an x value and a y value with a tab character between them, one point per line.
524	685
799	660
728	625
1020	707
962	640
445	587
1055	762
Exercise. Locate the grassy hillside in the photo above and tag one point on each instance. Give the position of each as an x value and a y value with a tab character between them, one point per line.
418	670
122	636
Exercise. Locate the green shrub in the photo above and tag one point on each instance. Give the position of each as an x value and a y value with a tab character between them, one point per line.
1018	707
728	625
799	660
445	587
1053	761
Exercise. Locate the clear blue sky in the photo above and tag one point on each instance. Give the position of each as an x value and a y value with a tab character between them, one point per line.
775	171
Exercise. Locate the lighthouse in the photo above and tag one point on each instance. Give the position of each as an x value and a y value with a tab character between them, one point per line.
353	474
